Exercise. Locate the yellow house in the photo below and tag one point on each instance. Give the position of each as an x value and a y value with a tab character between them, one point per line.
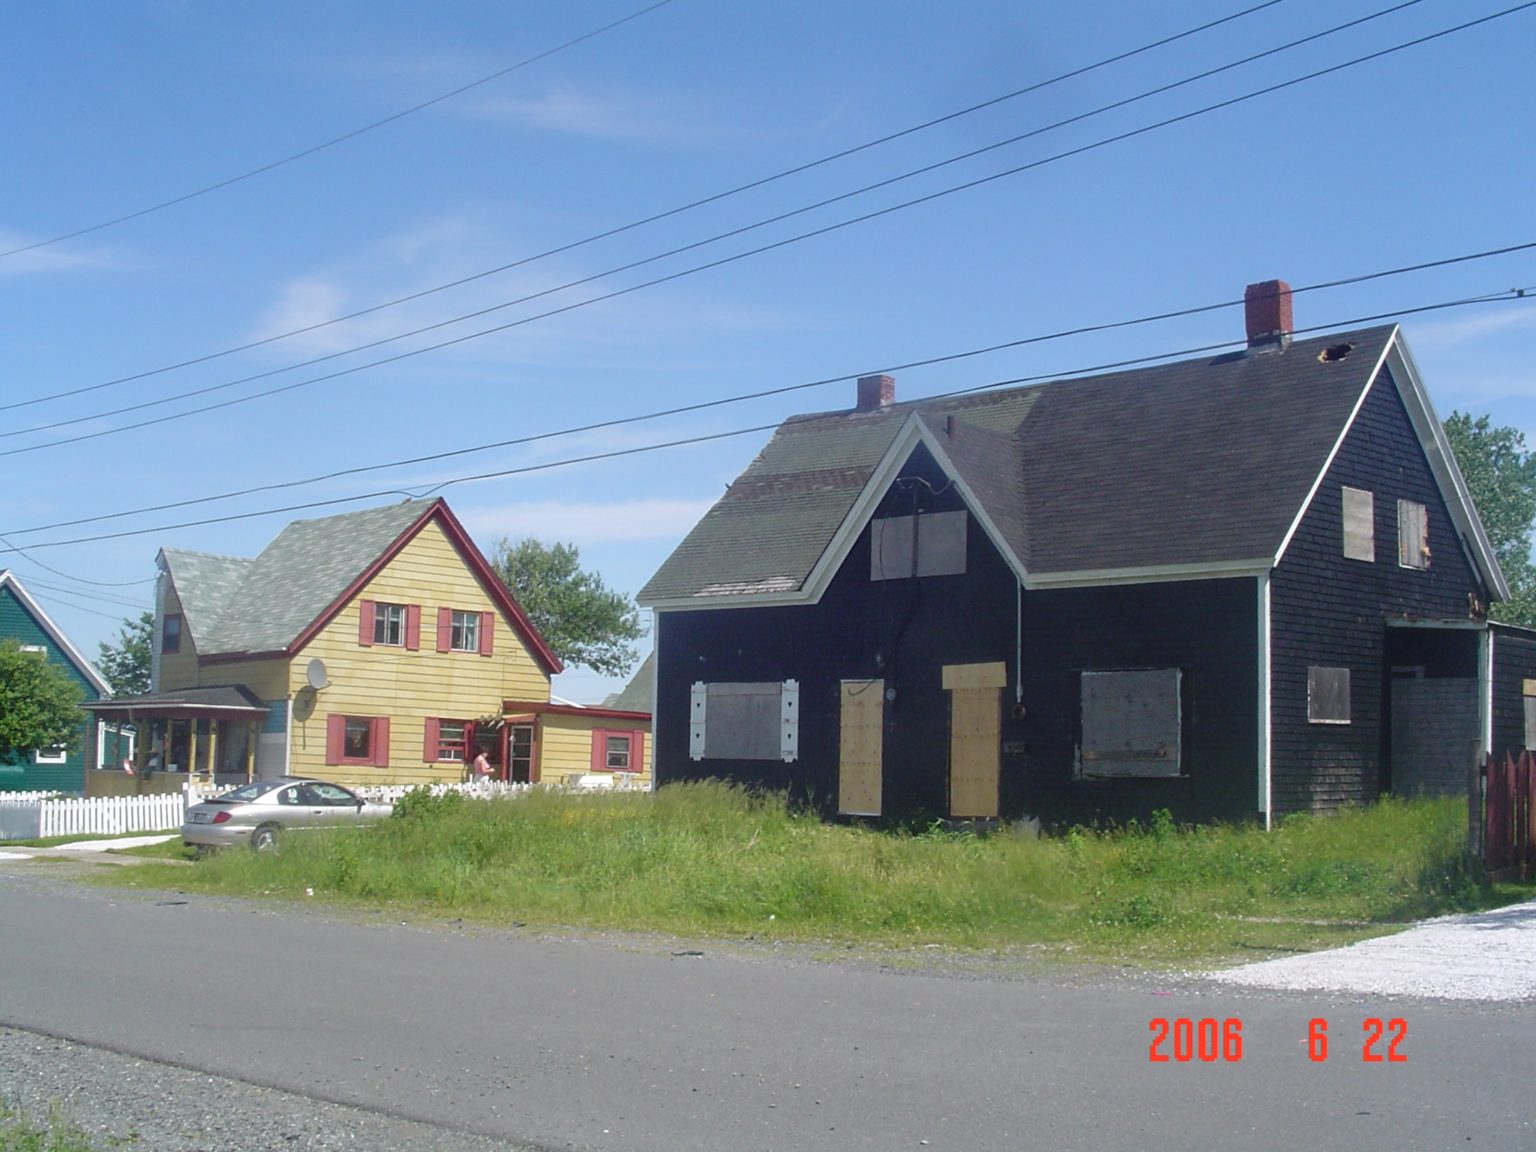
374	647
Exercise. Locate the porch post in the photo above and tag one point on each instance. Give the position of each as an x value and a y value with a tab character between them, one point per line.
253	733
213	749
191	748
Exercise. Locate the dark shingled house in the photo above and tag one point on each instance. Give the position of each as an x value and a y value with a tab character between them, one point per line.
1232	587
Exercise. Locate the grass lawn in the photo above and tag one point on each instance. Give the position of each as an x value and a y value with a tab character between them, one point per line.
709	860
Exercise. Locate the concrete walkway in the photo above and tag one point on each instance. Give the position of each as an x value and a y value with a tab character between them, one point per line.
82	847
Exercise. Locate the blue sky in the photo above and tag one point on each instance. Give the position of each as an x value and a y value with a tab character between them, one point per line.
1421	155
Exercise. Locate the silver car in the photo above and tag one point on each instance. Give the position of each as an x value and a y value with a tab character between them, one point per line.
260	812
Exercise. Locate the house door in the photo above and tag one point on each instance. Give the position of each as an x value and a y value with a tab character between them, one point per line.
860	744
520	753
975	733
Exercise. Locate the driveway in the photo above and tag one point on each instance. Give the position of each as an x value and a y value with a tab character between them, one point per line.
1477	956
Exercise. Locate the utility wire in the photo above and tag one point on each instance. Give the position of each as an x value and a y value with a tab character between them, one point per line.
702	405
1509	294
345	136
9	547
55	598
758	183
103	598
647	260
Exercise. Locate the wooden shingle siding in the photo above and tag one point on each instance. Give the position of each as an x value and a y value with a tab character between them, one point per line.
1514	662
1328	611
404	685
1208	630
901	631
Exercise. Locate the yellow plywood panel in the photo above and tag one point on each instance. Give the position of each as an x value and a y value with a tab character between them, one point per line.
974	723
958	677
860	746
1528	687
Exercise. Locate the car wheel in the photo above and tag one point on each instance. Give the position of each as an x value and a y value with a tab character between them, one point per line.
264	839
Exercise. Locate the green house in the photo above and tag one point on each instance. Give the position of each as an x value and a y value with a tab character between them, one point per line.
22	619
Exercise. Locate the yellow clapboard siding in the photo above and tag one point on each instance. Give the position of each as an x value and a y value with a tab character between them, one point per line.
178	669
860	745
408	687
565	745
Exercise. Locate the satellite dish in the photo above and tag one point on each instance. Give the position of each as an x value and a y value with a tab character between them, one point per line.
315	674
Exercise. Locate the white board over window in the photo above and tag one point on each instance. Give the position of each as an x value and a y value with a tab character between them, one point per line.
940	540
745	721
1131	723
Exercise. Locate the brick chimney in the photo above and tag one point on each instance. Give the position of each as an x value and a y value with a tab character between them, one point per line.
875	392
1267	310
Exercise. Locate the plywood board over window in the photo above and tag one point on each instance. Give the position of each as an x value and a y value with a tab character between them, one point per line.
860	747
1359	525
975	729
1131	722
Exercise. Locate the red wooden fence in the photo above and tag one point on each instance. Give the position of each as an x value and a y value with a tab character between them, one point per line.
1509	817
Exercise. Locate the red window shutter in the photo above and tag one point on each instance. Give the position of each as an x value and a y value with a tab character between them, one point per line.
412	627
637	751
444	628
487	633
365	623
429	741
599	750
335	735
381	742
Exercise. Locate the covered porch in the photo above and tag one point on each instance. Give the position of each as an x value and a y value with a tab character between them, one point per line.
204	734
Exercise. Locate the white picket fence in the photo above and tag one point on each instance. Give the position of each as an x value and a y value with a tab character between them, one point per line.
96	816
35	815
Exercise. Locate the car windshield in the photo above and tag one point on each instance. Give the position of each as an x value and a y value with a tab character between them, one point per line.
245	793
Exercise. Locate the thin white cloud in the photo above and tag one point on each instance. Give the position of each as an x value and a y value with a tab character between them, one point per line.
68	257
623	117
1449	333
587	523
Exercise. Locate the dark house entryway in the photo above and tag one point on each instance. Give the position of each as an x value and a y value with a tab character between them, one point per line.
1435	706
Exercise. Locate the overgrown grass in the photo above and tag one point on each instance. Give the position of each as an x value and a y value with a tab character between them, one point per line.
713	860
20	1132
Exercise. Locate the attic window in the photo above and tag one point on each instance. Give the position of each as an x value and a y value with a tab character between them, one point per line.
1334	353
170	635
938	537
1412	535
1359	525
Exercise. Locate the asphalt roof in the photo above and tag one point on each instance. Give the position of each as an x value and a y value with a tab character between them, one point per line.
262	605
1197	462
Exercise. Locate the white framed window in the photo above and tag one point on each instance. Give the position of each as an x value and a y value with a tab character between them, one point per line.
1327	695
1132	722
1412	535
389	624
744	721
35	649
58	754
1359	525
464	632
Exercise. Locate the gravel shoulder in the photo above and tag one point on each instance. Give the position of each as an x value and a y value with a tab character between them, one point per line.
125	1102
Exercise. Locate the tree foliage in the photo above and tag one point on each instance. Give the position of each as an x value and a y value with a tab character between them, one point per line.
581	619
39	703
1501	475
126	663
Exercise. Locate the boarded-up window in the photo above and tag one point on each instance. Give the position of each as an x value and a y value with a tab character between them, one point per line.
1131	723
1529	700
940	541
1328	695
745	721
1359	525
1412	535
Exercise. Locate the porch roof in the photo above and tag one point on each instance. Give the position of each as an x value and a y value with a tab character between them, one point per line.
228	701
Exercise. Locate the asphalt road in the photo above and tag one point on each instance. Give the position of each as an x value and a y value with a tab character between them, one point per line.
610	1043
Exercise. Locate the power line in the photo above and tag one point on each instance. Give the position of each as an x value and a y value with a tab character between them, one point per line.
713	198
970	353
99	597
55	598
9	547
1161	89
345	136
1509	294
